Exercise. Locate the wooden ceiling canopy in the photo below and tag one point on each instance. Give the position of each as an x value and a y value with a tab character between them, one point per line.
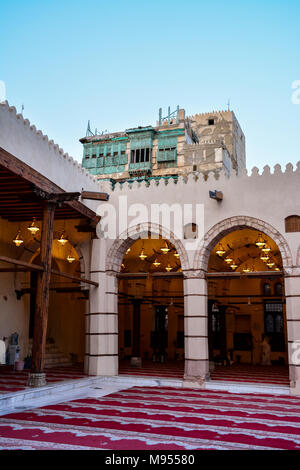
23	190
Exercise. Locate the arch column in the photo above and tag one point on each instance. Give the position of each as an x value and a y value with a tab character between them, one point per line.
292	294
196	368
101	357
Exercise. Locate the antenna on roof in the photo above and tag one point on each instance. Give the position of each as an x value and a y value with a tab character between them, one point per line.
88	131
228	105
22	109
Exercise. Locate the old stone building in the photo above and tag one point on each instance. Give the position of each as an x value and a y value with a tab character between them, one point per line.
176	146
146	291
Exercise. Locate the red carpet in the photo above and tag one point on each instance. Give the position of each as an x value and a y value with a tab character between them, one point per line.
275	375
158	419
242	373
15	381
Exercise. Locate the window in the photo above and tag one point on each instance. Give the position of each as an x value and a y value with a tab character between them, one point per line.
211	122
278	288
94	155
274	327
267	289
140	155
292	223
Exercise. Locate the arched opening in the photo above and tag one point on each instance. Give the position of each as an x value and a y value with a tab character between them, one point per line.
247	328
151	309
66	314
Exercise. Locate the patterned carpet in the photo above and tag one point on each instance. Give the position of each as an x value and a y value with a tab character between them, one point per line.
144	418
14	381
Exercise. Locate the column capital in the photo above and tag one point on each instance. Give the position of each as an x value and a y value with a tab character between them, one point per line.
194	274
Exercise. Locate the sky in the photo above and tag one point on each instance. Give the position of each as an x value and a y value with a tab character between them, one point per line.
117	62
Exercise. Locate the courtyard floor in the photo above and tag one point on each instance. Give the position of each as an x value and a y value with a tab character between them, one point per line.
158	418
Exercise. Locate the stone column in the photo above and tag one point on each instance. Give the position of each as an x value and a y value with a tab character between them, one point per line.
195	329
102	318
292	293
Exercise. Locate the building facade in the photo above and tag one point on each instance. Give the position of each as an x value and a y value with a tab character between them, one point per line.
207	293
176	145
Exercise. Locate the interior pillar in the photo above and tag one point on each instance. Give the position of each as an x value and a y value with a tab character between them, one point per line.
101	356
37	377
196	369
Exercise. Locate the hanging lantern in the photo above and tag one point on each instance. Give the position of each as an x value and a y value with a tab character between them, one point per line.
270	264
18	239
156	263
277	269
233	265
266	249
264	257
128	251
33	228
62	239
165	248
142	255
176	254
71	259
220	251
260	242
169	268
246	269
228	260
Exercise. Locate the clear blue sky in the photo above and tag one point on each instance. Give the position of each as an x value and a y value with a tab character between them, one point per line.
116	62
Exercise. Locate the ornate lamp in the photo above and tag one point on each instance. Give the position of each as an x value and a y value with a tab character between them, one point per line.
62	239
18	239
260	242
33	228
165	248
220	251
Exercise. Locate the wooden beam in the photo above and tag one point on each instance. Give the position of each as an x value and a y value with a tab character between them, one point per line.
94	196
24	171
238	275
17	262
74	278
36	267
42	296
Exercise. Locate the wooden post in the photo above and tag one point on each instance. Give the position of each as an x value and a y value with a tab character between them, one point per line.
37	377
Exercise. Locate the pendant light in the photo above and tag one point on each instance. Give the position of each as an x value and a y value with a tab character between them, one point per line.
266	249
169	268
176	254
165	248
270	264
220	251
128	251
246	269
156	263
142	255
70	258
260	242
18	239
33	228
228	260
233	265
264	257
62	239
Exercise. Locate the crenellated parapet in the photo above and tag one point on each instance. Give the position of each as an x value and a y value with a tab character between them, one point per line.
21	138
216	176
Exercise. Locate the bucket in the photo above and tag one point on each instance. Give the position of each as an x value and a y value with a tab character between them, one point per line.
19	365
